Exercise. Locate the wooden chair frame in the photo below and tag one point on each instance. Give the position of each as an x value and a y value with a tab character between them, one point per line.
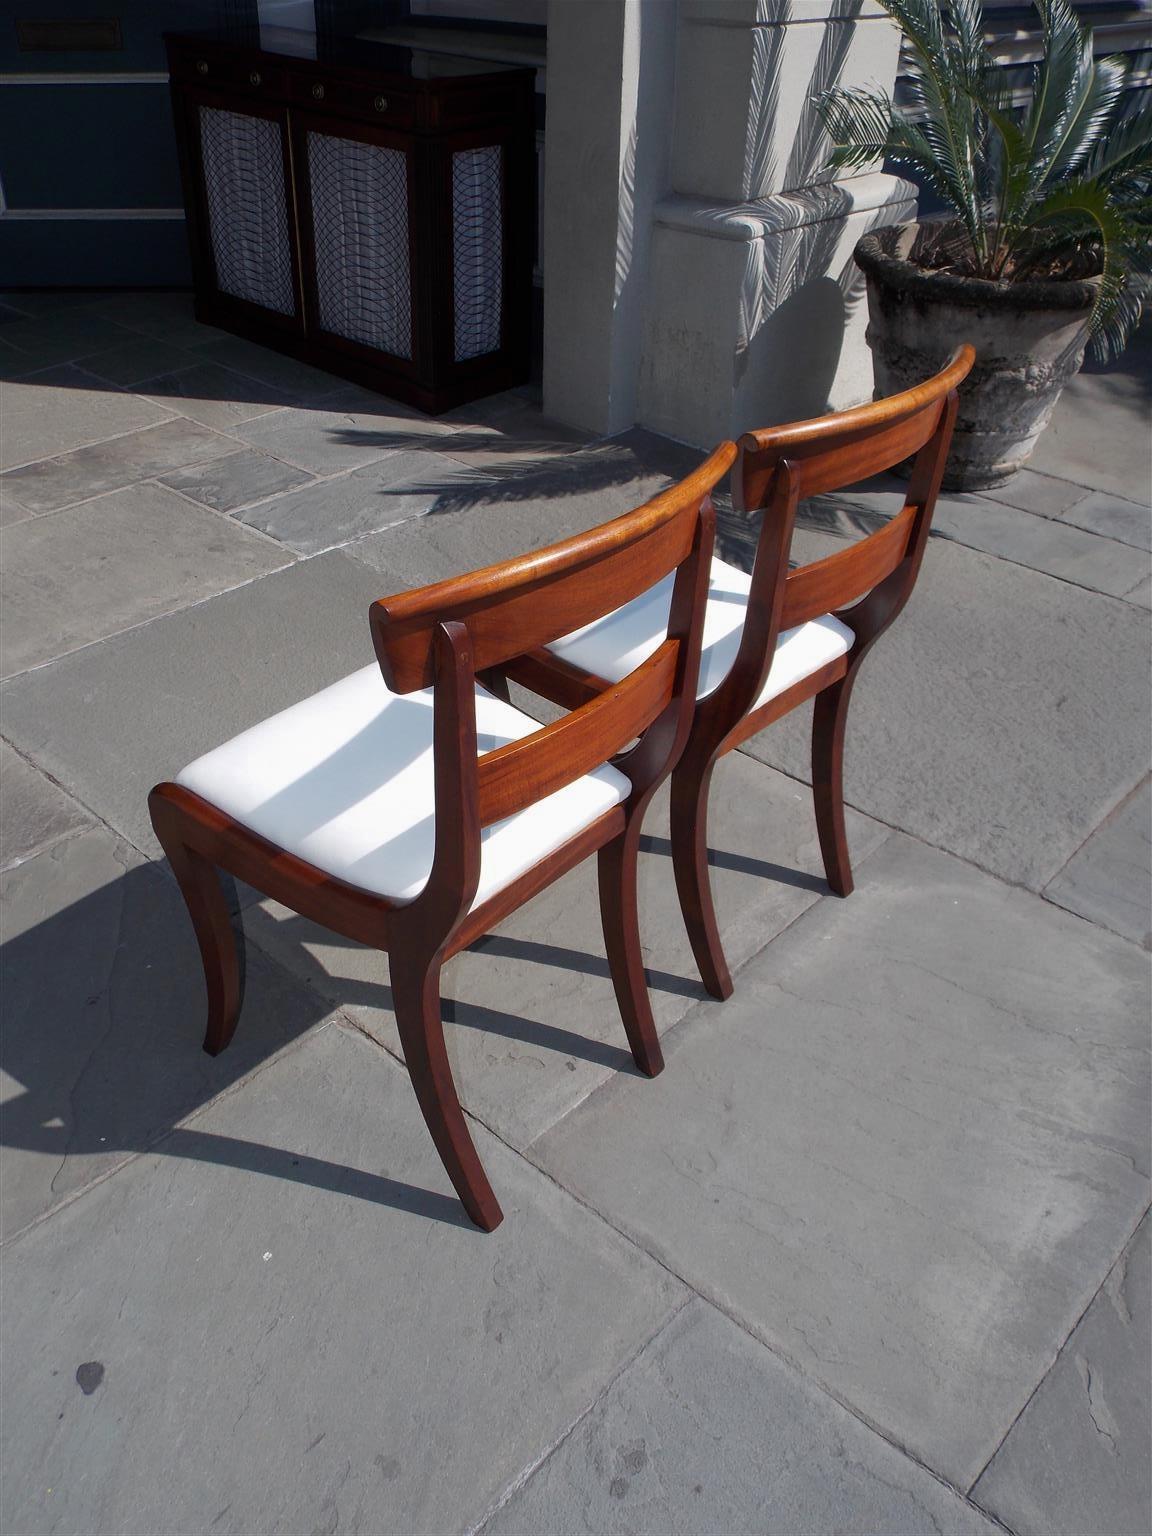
864	586
445	637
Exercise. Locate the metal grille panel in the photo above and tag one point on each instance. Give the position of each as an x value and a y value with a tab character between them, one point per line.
247	210
360	226
477	250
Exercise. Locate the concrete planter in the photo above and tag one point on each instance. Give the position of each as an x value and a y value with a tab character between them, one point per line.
1029	340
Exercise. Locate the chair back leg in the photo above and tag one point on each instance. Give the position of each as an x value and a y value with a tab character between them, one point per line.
617	873
415	978
688	828
214	907
829	718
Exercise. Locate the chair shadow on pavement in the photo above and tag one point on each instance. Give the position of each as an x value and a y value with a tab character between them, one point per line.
104	1012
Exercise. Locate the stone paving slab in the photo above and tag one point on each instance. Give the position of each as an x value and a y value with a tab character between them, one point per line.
354	429
1141	594
1077	1460
93	570
1107	880
34	812
104	1018
186	683
1013	525
60	409
1002	717
346	507
135	358
1043	494
1114	516
1043	544
507	427
534	1026
45	340
268	367
287	1324
213	396
1091	438
481	517
166	315
236	481
707	1431
109	466
899	1152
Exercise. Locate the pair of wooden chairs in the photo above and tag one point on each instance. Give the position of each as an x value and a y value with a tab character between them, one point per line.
411	807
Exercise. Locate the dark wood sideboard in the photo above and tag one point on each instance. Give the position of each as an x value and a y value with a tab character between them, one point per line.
365	207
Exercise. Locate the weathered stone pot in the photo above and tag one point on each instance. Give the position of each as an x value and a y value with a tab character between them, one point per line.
1029	340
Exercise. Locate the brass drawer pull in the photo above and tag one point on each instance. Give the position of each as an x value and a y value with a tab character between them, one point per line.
381	103
318	91
255	77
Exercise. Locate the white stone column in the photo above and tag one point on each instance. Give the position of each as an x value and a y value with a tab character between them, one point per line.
754	309
611	76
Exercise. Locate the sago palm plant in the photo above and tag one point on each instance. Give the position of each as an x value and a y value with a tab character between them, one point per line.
1061	186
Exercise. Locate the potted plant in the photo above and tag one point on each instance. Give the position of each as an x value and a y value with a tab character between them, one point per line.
1050	230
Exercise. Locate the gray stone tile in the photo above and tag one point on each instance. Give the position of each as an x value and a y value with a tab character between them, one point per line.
533	1021
1077	1460
1098	435
285	1291
481	517
1141	593
93	570
59	409
336	511
1114	517
46	340
48	301
353	429
708	1431
188	682
1042	494
104	1018
169	316
1001	717
1042	544
268	367
506	428
214	396
34	812
898	1152
1108	881
137	358
236	481
59	482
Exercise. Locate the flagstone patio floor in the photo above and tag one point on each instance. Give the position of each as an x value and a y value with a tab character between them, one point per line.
872	1254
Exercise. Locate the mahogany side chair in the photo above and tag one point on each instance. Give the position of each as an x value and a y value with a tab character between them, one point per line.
409	808
776	637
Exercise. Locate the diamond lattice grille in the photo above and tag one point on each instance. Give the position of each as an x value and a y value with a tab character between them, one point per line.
360	226
247	211
477	250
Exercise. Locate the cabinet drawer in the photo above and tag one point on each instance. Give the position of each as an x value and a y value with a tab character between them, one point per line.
211	68
370	104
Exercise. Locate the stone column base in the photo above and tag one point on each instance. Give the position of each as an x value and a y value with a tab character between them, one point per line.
756	310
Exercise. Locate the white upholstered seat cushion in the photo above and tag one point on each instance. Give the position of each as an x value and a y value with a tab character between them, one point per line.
612	646
344	780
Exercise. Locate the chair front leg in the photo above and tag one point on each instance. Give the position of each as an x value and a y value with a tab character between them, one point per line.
415	978
688	828
617	871
829	718
210	896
